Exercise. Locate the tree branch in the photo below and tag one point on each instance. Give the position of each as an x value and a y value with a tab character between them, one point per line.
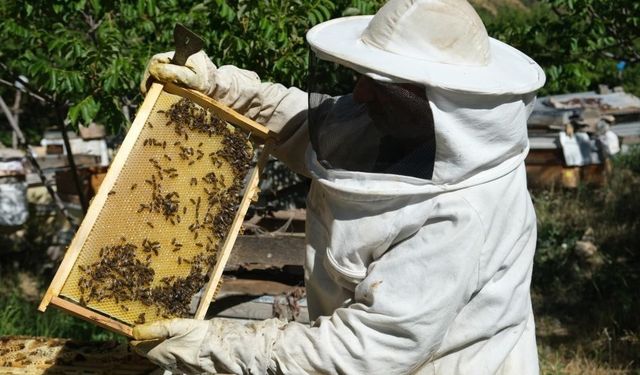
93	25
27	85
36	96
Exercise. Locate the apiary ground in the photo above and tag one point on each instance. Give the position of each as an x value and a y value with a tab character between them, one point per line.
122	221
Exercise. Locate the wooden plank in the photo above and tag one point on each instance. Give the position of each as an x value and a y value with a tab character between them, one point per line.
60	161
91	316
543	141
629	133
549	117
270	250
594	174
260	308
101	197
552	175
253	287
256	130
568	177
545	157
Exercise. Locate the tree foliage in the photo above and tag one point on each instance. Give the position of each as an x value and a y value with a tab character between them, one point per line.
86	57
579	43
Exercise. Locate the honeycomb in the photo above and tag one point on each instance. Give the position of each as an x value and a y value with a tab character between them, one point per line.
164	218
42	355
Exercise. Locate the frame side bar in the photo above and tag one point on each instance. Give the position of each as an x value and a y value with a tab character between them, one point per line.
225	251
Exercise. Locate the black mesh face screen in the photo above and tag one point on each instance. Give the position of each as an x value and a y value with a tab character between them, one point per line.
372	127
398	110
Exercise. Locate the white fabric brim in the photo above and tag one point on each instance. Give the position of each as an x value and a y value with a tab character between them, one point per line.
509	71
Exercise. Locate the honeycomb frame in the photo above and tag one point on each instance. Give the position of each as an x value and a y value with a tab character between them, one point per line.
119	182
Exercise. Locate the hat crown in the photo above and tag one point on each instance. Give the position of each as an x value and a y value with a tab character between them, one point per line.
441	31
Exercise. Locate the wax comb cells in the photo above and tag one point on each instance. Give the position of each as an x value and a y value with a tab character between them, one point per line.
158	233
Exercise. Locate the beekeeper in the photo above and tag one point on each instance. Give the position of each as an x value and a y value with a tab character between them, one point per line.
420	229
606	140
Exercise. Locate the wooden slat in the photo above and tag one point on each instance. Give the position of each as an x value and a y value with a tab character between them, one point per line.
568	177
61	161
91	316
256	130
545	175
549	117
253	287
249	195
101	197
248	308
545	157
271	250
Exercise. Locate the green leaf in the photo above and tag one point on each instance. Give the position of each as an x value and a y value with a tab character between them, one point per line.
85	110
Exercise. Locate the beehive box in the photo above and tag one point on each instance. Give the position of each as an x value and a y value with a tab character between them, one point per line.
22	355
157	235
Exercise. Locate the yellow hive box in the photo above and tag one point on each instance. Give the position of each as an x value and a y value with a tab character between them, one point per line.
158	233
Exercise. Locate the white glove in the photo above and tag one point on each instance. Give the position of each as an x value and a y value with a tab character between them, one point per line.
208	346
200	73
171	344
195	74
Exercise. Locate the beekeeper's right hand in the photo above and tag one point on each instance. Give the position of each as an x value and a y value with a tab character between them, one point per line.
198	73
281	109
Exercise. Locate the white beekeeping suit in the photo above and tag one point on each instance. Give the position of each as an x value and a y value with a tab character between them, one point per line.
425	272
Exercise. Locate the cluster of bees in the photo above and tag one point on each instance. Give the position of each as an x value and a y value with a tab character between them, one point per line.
119	275
175	293
124	271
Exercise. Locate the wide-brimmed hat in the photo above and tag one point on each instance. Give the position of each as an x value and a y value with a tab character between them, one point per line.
438	43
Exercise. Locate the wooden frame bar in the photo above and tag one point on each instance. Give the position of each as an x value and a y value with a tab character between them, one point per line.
261	132
258	132
91	316
250	195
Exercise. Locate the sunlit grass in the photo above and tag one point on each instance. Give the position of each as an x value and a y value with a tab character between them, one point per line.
21	317
590	298
576	360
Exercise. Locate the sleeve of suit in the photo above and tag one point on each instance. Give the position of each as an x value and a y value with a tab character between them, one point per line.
283	110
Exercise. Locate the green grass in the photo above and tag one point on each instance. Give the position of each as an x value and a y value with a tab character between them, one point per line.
21	317
576	360
592	298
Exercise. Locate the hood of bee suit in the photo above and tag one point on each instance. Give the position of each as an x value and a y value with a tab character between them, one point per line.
480	90
479	138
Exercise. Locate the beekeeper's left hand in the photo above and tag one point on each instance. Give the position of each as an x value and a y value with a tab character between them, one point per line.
172	344
195	74
207	346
